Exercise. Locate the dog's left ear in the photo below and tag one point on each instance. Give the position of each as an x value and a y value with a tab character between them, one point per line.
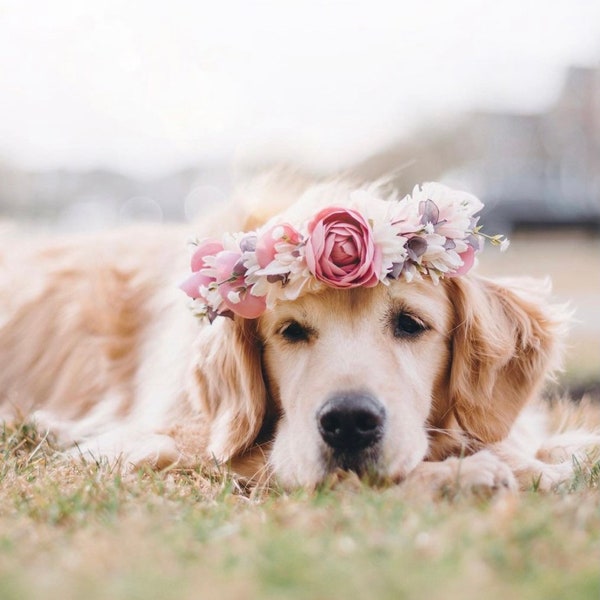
229	384
505	341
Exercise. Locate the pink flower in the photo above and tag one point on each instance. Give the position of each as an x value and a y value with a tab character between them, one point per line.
340	250
191	286
265	245
232	286
248	306
468	258
228	272
204	249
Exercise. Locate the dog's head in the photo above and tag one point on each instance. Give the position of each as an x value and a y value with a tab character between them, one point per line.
374	380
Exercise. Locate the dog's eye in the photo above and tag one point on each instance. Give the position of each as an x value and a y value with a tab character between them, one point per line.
407	326
294	332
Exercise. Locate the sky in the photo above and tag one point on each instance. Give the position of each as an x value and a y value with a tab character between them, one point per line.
146	87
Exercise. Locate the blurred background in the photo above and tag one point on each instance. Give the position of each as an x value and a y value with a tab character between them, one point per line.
115	111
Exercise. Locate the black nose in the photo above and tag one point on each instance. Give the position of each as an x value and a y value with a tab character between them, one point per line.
351	421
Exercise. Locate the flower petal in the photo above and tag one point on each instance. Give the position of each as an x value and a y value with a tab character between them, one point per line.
205	248
191	286
468	258
248	306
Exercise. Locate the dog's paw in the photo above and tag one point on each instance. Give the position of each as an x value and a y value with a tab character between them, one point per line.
482	474
543	477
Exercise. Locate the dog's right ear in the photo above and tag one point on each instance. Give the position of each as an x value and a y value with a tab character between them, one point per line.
229	385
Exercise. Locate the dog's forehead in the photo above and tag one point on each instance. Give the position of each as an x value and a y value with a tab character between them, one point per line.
422	298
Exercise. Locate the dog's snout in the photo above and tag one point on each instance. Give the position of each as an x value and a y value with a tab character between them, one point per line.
351	421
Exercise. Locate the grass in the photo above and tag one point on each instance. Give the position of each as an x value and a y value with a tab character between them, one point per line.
74	530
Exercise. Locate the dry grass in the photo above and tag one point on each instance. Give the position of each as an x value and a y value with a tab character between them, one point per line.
71	530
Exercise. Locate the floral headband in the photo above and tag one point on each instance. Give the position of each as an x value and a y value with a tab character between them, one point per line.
362	241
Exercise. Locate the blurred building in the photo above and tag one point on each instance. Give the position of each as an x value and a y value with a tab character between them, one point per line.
99	199
540	170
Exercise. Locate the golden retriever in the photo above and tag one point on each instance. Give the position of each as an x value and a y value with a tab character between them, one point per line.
434	384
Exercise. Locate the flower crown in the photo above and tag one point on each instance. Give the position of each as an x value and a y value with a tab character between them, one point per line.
364	240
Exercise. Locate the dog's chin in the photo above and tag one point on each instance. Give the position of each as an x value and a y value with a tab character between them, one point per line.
312	462
364	463
331	466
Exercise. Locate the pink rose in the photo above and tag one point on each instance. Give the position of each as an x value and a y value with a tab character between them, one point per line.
340	250
265	245
468	258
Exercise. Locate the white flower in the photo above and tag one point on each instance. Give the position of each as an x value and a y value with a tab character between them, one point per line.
212	296
381	214
405	215
456	208
435	246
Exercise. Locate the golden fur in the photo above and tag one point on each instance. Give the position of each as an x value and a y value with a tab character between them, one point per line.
98	346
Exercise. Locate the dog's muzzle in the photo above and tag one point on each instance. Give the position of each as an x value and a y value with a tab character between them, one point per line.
352	424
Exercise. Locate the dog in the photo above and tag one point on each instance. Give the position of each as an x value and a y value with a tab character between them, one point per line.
411	379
